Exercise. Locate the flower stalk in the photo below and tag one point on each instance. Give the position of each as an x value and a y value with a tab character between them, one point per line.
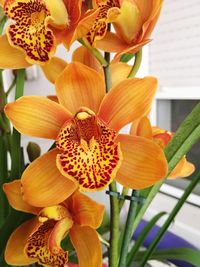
136	65
16	136
128	229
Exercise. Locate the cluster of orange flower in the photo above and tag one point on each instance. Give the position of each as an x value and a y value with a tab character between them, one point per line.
83	120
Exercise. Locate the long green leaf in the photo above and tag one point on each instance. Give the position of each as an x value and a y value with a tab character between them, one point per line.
169	220
185	137
185	254
144	233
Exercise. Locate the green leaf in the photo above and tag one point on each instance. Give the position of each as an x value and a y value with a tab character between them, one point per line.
185	254
144	233
126	58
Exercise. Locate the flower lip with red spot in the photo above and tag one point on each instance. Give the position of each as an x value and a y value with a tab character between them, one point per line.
89	153
30	33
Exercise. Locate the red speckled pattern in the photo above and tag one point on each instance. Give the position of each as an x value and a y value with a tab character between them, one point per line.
29	32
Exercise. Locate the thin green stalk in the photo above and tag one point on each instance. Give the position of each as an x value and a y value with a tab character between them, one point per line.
11	87
121	201
16	137
114	202
128	230
95	53
137	63
114	227
3	178
171	217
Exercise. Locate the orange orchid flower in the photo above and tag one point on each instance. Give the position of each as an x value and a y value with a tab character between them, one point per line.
40	25
38	240
161	137
85	124
133	21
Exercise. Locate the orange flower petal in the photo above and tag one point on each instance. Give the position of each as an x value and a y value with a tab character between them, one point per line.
59	15
43	185
150	23
53	68
127	101
119	71
87	245
8	53
79	86
145	8
130	49
129	22
183	169
83	55
144	162
111	43
37	116
14	253
30	33
86	212
15	199
74	9
142	128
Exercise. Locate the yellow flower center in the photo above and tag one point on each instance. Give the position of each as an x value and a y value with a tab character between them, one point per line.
89	153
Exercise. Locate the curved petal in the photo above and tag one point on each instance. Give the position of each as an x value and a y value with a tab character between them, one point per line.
14	195
83	55
142	128
145	7
111	43
86	212
127	101
130	49
150	23
59	15
42	183
87	245
74	9
119	71
79	86
182	169
53	68
144	162
14	252
8	53
37	116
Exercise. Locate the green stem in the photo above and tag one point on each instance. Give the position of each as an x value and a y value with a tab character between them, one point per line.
137	63
171	217
16	137
128	230
95	53
121	201
114	227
